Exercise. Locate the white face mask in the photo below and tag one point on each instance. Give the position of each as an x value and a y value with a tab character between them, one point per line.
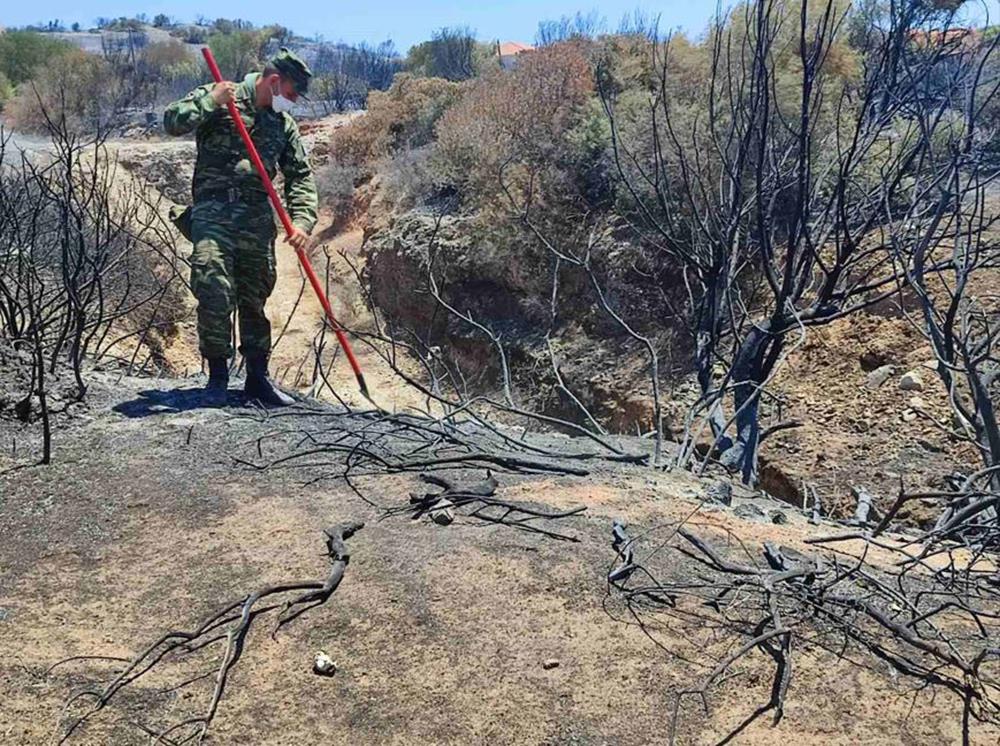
280	104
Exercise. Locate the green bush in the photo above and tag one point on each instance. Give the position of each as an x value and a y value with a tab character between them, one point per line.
408	180
75	89
170	70
335	184
24	52
452	54
238	52
513	127
6	90
190	34
400	118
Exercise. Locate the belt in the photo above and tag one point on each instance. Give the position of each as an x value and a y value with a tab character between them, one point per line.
228	196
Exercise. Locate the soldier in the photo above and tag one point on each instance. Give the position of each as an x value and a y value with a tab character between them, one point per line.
230	222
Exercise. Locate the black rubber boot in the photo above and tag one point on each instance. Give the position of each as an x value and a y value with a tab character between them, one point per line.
217	390
260	388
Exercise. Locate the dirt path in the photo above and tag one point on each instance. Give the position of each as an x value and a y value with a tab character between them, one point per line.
293	305
144	523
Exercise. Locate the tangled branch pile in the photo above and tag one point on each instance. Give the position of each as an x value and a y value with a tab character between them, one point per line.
327	443
926	608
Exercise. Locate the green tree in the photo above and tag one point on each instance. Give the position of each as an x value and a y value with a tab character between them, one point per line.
450	54
6	90
238	52
23	52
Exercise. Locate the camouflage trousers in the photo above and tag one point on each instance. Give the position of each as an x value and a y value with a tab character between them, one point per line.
232	268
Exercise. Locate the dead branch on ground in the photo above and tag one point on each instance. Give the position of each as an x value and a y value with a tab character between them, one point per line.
488	507
229	624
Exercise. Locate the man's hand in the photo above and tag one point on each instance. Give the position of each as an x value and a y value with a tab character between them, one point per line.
224	92
299	240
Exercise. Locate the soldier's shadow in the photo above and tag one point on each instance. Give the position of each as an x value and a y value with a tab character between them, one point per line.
169	401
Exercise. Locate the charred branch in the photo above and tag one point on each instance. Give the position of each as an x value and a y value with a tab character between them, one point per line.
905	612
227	628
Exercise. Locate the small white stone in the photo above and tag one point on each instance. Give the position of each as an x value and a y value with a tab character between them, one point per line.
323	665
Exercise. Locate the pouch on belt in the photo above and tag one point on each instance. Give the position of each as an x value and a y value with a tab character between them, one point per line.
181	217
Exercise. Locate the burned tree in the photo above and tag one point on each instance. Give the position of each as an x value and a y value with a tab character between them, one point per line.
946	270
88	267
345	75
771	190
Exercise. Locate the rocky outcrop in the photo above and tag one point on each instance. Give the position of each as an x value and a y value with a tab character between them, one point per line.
508	291
165	166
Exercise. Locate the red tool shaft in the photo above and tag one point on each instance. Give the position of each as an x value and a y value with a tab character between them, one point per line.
286	221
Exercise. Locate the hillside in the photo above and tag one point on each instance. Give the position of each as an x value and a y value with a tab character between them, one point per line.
95	41
858	429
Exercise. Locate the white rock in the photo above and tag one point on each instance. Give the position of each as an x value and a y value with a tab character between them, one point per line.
323	665
879	376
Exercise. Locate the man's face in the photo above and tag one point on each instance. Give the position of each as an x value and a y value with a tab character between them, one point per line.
283	86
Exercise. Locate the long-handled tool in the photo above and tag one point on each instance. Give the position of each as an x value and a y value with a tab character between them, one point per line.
289	228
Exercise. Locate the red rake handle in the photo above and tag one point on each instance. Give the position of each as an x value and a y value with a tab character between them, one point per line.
287	223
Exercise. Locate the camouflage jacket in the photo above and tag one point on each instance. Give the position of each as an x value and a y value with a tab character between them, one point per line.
223	168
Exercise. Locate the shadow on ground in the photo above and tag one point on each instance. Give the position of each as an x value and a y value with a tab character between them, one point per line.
169	401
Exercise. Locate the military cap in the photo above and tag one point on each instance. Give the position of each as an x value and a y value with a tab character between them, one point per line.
293	67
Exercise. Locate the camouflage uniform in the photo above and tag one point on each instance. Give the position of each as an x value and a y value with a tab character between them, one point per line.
232	226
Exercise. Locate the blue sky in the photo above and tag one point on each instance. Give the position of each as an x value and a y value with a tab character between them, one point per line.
404	21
